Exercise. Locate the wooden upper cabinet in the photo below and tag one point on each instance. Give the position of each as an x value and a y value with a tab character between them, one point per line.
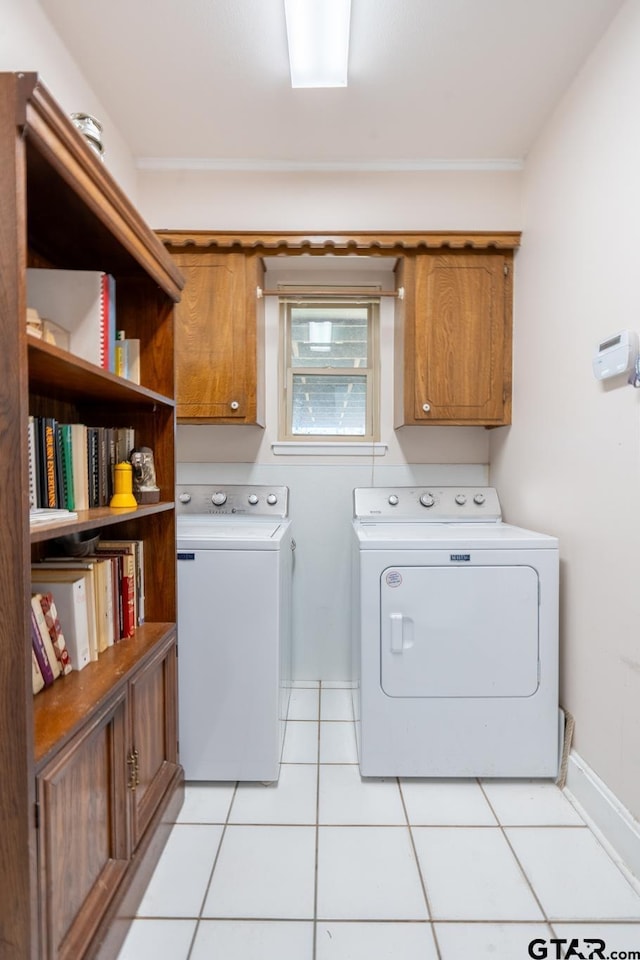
219	338
453	338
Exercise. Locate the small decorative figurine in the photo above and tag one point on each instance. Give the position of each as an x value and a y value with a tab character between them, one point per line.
145	488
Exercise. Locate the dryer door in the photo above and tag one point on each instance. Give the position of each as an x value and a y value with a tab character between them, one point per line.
459	631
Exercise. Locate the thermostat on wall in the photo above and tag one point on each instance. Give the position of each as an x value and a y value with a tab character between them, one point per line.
615	355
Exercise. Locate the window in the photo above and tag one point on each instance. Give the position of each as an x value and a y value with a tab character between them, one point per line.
330	368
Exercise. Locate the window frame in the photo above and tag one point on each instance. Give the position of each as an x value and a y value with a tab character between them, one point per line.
371	372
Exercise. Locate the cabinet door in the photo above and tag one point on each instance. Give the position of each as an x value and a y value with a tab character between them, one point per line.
83	847
457	339
152	759
218	368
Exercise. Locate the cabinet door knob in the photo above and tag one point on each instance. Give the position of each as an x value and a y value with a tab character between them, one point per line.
234	404
426	407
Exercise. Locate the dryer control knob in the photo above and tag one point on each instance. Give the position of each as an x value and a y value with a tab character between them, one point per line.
393	500
253	499
479	499
271	499
427	500
185	498
461	499
219	498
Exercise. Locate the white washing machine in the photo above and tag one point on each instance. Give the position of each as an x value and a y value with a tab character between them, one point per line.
455	637
235	562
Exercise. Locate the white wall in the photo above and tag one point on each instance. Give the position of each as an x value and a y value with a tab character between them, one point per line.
325	202
28	42
570	464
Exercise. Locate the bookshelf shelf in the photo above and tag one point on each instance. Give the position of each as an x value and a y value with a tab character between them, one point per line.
91	778
95	518
61	710
59	374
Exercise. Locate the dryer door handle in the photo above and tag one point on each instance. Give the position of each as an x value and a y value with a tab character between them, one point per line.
397	622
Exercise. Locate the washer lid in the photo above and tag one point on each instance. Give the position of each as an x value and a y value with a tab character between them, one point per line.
218	533
435	536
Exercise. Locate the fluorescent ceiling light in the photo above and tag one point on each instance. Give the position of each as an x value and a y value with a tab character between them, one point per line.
318	38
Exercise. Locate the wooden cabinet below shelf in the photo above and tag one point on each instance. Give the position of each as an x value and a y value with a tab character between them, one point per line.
453	338
103	787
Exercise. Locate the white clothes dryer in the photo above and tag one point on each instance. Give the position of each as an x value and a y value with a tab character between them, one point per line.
235	565
455	637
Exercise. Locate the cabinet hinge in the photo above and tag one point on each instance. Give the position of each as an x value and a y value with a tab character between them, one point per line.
505	269
36	814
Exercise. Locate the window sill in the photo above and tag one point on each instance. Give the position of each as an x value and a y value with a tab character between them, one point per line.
302	448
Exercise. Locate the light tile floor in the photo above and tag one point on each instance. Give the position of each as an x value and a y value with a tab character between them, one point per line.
328	866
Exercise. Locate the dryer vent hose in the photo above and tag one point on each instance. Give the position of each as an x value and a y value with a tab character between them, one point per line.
569	726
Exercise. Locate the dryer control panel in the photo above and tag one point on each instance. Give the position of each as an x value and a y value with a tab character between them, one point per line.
431	504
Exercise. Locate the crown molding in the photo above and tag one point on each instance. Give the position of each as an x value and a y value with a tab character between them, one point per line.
371	242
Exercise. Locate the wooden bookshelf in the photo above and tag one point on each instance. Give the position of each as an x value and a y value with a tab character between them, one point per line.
90	769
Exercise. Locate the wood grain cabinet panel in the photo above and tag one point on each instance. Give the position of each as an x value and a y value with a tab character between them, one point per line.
154	751
219	338
83	838
453	339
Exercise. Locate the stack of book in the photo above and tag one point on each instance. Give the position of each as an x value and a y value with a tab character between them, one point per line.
96	601
71	466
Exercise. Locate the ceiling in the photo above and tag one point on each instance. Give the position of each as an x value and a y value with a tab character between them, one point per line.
431	82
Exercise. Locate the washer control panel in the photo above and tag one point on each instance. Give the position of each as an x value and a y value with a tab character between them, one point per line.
437	504
232	500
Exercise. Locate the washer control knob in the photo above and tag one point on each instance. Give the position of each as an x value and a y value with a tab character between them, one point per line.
253	499
479	499
461	499
271	499
185	498
427	500
219	498
393	500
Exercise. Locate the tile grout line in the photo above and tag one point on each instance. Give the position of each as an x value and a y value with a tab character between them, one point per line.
423	882
215	863
317	831
514	854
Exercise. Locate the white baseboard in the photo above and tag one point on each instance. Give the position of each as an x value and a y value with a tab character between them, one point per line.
604	812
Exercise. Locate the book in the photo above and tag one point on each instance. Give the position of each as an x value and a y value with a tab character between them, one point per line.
65	568
69	592
31	446
79	456
42	515
38	647
129	581
127	360
79	301
93	469
112	322
66	462
50	612
49	454
37	680
125	443
54	663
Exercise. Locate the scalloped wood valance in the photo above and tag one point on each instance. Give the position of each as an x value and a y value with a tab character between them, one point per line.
371	243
